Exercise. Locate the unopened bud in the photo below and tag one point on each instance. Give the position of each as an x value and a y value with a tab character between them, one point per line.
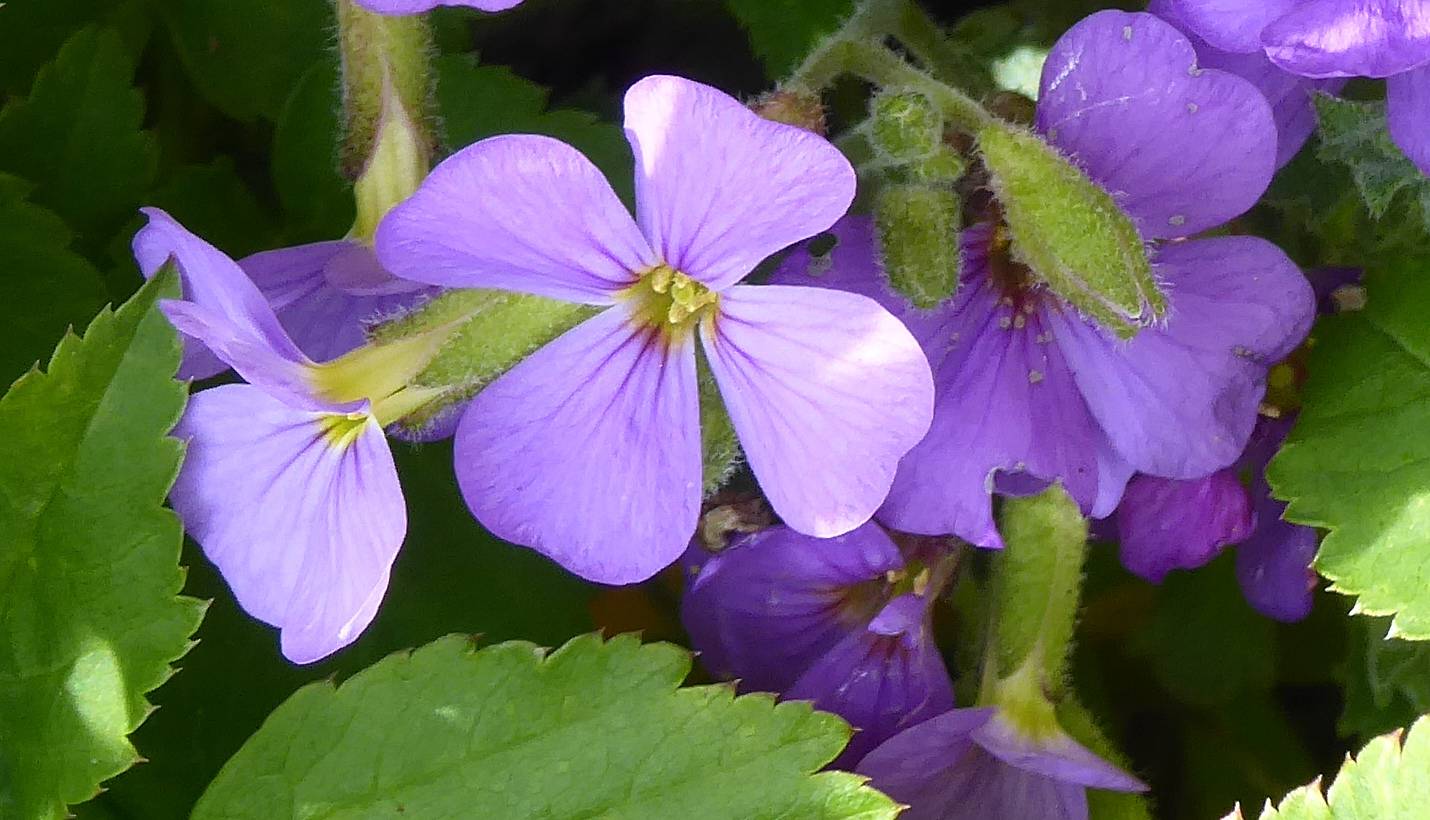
1070	232
918	237
944	166
801	109
904	126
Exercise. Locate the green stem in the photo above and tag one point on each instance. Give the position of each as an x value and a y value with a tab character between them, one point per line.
923	38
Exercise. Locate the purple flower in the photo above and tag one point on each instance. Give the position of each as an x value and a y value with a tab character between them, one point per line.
292	494
589	450
1335	38
976	764
820	620
1290	95
420	6
1026	386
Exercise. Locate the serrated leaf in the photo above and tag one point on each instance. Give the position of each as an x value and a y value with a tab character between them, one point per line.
44	286
1387	681
245	56
1355	134
782	32
31	33
1386	780
1358	461
594	729
78	135
90	616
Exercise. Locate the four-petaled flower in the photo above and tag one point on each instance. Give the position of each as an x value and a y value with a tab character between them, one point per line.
589	450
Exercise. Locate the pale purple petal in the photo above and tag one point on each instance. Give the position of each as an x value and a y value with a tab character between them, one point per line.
768	606
589	450
1181	149
1350	38
1180	401
1407	98
1230	25
882	679
303	529
719	188
327	294
419	6
517	212
827	392
1166	523
222	308
1057	756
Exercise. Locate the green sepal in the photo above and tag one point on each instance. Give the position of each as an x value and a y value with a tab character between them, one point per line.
918	237
719	445
904	125
1070	232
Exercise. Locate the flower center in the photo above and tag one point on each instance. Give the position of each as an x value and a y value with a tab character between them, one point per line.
670	301
1012	278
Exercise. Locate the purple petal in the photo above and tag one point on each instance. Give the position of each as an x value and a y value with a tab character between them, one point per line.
222	308
880	680
517	212
419	6
1167	524
589	450
1350	38
1057	756
1180	401
1408	111
827	392
1182	149
768	606
718	188
1274	564
304	529
327	294
1230	25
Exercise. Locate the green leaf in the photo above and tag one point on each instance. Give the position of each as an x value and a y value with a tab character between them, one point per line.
316	197
1386	780
31	32
591	730
245	56
90	616
44	288
1387	681
214	202
78	136
782	32
1358	461
1355	134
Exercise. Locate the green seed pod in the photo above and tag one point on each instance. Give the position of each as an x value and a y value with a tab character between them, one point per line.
918	237
1070	232
905	126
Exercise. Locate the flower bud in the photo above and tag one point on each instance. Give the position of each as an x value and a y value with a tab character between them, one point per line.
1070	232
798	108
918	236
905	126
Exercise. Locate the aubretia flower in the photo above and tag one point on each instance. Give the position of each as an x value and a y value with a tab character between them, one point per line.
288	485
1335	38
820	620
589	450
977	764
419	6
1028	390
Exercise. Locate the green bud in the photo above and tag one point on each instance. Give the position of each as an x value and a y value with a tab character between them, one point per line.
918	237
1070	232
905	126
1038	577
718	442
944	166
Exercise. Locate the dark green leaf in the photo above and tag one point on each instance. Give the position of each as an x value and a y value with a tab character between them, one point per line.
782	32
317	199
1387	681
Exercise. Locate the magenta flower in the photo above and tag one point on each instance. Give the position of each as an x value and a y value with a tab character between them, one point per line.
975	764
294	496
1028	391
1290	95
1335	38
589	450
420	6
819	619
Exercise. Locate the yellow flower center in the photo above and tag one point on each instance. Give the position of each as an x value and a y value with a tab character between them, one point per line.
670	301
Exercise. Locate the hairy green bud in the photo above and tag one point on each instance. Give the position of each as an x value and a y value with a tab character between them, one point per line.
944	166
1070	232
918	239
718	442
905	126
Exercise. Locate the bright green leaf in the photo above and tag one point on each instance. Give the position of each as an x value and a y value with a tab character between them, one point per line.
593	729
78	137
1358	461
782	32
247	55
1386	780
90	616
1387	681
44	286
